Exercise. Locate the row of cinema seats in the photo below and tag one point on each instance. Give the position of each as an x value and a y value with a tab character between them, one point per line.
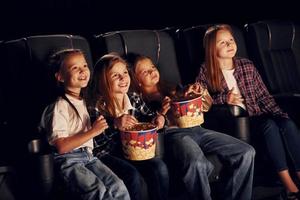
26	88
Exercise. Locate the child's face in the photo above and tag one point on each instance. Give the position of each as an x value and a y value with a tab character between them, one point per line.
74	73
225	44
119	78
146	73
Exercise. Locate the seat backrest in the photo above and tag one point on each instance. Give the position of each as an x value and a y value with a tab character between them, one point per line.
158	45
3	116
28	86
191	40
275	48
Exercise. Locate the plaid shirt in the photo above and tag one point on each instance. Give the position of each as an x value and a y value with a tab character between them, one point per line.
257	98
109	141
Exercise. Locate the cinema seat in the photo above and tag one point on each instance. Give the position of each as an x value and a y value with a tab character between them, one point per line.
275	49
28	90
8	189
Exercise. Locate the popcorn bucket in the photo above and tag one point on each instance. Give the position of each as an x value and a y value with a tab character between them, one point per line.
188	113
139	141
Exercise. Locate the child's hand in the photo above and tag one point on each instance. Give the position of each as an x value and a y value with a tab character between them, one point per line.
195	88
124	121
159	121
166	105
206	100
233	98
100	125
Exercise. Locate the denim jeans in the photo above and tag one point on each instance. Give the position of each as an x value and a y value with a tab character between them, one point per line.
188	148
128	173
281	136
88	177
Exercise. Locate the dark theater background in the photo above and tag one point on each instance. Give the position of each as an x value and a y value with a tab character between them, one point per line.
87	17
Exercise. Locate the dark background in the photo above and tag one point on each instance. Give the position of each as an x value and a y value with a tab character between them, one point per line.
88	17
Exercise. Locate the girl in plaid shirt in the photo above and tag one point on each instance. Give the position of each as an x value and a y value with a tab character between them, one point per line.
236	81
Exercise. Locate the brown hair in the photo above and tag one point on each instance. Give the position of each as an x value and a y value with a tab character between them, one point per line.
56	62
213	72
133	60
100	90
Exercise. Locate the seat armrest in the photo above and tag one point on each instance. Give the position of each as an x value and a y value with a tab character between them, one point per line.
40	168
227	110
230	119
4	168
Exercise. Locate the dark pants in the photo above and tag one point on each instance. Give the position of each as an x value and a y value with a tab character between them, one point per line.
128	173
281	136
156	175
189	146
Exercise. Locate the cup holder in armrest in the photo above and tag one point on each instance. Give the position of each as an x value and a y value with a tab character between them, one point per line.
237	111
35	146
40	168
38	146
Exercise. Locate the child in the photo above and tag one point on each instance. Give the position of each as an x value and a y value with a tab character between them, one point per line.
67	124
188	145
111	82
236	81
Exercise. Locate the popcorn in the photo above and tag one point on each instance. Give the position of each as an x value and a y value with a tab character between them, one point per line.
139	141
190	121
188	113
138	153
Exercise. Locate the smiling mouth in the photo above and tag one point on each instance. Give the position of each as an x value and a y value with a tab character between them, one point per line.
123	85
154	77
82	78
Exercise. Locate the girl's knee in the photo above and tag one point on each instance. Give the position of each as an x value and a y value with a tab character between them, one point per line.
270	125
289	125
249	151
202	165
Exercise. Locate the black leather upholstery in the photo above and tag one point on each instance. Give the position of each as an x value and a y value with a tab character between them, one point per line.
275	49
158	45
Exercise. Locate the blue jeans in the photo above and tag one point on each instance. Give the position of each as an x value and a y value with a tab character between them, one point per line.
128	173
188	148
281	136
88	177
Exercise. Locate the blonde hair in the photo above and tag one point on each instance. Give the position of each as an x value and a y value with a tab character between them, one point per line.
213	70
